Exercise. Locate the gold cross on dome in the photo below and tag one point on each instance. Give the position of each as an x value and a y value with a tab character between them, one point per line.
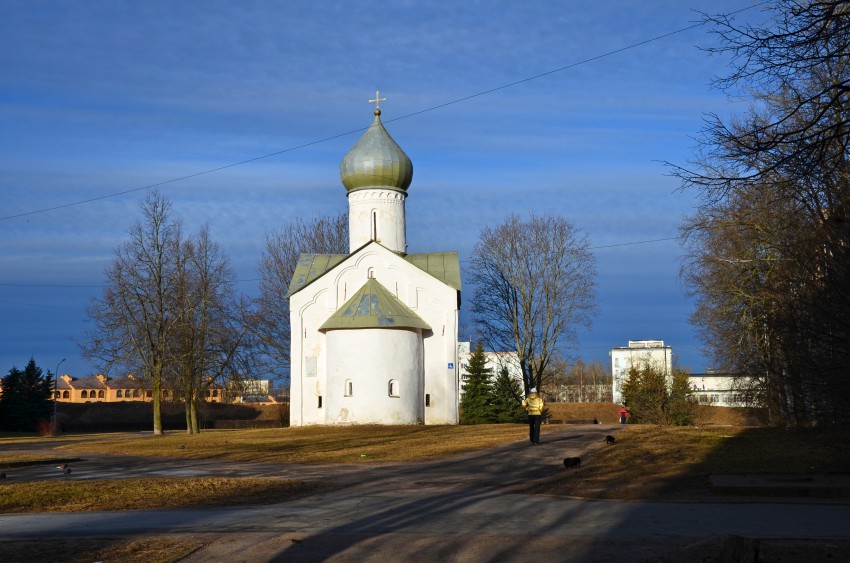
378	99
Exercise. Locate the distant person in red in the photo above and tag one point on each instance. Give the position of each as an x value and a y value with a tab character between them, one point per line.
624	415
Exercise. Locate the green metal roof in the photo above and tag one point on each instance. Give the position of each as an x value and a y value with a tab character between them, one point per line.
373	306
311	267
376	160
444	266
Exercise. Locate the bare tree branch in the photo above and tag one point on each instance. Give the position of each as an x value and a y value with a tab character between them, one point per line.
534	285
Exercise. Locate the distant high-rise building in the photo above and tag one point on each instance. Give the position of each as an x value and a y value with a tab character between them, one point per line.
639	353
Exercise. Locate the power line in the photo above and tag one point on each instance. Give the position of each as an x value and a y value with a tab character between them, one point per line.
74	286
39	305
407	116
45	285
171	181
632	243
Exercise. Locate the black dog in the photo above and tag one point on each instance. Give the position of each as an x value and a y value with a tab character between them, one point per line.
609	439
572	462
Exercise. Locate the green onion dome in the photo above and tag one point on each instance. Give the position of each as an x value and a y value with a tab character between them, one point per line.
376	161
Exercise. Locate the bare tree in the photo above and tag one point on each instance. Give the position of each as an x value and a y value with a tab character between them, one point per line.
534	286
325	235
795	67
169	311
769	247
133	321
582	383
210	323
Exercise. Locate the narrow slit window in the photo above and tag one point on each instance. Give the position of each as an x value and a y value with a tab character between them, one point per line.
349	388
393	388
374	225
320	401
427	399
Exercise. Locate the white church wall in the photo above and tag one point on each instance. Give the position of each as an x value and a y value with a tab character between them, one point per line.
377	215
431	299
375	376
440	356
307	359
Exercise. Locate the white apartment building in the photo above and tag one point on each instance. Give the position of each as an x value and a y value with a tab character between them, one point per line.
639	353
720	389
495	361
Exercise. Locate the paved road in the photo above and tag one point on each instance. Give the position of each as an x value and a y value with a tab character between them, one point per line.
465	508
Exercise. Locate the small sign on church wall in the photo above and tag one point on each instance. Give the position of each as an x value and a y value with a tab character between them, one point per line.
451	365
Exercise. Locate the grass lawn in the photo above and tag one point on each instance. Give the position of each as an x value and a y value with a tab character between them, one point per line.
354	444
148	549
147	493
674	463
311	444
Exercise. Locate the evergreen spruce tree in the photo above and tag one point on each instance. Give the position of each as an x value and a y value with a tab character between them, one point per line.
476	405
649	400
507	398
681	400
26	398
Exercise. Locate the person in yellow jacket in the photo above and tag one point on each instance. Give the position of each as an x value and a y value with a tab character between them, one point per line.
533	404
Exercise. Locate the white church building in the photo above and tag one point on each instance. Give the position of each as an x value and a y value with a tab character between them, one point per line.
374	331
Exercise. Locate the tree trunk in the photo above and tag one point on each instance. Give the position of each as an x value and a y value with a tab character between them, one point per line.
157	406
196	428
188	404
188	412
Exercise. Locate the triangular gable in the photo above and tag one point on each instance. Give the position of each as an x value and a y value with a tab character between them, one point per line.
373	306
443	266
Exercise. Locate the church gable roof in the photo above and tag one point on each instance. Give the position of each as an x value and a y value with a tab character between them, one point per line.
373	306
444	266
311	267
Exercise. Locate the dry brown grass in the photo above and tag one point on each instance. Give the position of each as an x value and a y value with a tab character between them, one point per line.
675	462
147	493
661	463
646	462
29	438
313	444
150	549
605	413
9	460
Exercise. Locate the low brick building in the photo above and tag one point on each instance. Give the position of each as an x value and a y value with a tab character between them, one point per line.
107	389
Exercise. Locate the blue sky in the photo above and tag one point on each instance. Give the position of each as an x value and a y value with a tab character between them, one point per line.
98	98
